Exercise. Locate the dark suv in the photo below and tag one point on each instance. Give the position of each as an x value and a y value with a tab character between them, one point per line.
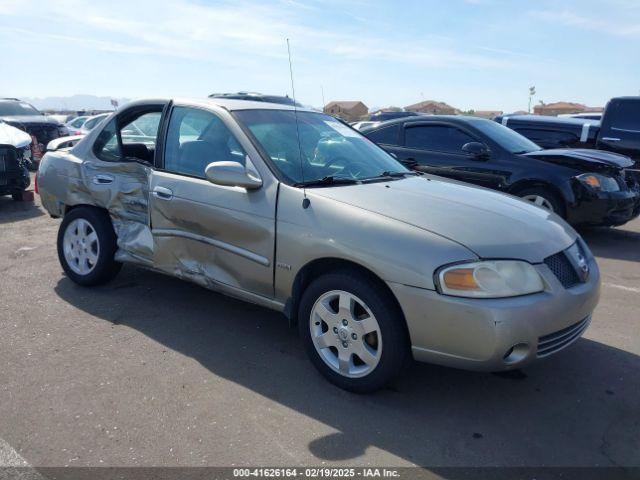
26	117
583	186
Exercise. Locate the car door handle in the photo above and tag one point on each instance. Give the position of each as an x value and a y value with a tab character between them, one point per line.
102	179
610	139
162	193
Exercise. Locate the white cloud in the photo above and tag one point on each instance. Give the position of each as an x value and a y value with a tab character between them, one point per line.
611	26
229	32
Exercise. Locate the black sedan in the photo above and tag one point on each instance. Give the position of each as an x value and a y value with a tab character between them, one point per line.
586	187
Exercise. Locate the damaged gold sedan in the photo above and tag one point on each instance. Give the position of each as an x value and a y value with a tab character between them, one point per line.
293	210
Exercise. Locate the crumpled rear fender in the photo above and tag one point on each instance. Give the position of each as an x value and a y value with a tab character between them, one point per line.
122	188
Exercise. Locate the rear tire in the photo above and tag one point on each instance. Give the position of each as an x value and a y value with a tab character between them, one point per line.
353	331
543	198
17	196
87	245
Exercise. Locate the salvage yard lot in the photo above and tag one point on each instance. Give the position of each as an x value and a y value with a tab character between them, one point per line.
150	370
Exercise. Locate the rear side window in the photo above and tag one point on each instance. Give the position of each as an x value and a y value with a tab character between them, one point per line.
195	139
386	135
106	146
625	115
440	138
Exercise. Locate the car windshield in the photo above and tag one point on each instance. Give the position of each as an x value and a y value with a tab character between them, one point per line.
17	108
505	137
327	150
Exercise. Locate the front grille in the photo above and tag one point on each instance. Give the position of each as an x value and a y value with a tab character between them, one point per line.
8	159
555	341
562	268
9	166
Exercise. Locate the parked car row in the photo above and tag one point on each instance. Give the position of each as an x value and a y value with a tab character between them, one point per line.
585	187
292	209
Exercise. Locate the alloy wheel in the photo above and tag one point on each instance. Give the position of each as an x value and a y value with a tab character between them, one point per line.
345	334
81	246
540	201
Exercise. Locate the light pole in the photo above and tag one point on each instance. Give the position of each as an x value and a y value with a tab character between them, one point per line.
532	92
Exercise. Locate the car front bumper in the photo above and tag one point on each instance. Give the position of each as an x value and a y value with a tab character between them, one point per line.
497	334
605	208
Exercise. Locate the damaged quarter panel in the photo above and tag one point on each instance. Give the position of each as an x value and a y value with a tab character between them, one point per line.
122	188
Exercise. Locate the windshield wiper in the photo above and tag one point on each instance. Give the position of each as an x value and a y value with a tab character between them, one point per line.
389	175
328	180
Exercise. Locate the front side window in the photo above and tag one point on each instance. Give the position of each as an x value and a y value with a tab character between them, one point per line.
195	139
440	138
386	135
312	146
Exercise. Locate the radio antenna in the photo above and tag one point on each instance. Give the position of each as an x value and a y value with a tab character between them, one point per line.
305	201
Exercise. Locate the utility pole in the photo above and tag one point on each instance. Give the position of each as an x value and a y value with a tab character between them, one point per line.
532	92
322	90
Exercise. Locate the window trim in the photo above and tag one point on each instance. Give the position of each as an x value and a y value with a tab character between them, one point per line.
407	125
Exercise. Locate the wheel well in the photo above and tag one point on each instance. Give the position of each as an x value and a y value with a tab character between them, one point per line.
525	184
68	208
322	266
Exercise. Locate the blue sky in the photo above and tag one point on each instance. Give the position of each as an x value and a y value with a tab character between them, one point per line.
481	54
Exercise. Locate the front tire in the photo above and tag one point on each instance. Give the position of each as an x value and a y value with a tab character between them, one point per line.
87	245
353	331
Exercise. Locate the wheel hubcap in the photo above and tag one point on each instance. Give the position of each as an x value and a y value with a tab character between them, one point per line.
80	246
539	201
346	334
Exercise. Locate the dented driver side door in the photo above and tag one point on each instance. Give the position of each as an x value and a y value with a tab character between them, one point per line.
218	236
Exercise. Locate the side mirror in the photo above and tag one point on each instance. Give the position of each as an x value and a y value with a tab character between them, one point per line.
232	174
476	149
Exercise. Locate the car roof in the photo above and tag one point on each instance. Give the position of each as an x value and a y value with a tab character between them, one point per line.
230	104
425	119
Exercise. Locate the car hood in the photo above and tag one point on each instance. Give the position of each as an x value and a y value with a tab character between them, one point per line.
13	136
582	158
489	223
30	120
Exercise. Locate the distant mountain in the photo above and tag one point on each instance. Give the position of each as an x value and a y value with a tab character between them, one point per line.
75	102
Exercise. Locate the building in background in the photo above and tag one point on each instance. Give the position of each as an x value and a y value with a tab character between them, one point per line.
348	111
433	107
560	108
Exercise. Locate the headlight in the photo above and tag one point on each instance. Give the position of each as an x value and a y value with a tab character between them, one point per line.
599	182
490	279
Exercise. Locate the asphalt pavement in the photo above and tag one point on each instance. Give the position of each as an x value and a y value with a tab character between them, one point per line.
151	370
